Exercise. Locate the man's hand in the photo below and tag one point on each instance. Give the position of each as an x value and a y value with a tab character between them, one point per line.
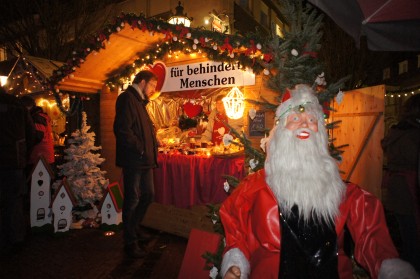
233	273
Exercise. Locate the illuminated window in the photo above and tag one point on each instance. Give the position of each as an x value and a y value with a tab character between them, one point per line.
403	67
264	15
386	73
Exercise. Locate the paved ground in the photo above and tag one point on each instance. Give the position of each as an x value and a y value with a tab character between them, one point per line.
88	253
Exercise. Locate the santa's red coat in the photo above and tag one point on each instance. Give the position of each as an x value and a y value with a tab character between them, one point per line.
251	222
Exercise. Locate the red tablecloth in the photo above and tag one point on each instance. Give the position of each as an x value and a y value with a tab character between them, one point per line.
186	180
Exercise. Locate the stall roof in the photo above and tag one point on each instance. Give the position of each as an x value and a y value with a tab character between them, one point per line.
28	74
45	66
130	38
121	50
6	66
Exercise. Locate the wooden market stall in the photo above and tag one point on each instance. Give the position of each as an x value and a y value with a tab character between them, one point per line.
124	47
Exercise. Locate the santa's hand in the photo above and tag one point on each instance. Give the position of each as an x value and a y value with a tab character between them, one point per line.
233	273
396	268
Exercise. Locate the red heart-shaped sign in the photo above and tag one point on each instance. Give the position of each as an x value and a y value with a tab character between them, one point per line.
192	110
159	70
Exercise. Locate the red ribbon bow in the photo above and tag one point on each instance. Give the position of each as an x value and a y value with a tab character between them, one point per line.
227	46
313	54
202	41
252	48
143	26
267	57
168	34
102	37
134	24
184	31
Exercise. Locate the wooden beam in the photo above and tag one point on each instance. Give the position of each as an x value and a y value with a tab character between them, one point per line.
79	84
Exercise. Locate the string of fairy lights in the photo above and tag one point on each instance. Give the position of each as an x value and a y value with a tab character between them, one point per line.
402	92
25	78
40	84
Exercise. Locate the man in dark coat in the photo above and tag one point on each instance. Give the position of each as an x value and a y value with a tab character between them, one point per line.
137	155
18	133
402	178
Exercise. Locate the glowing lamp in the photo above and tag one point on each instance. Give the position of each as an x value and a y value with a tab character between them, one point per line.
234	103
3	80
179	18
109	233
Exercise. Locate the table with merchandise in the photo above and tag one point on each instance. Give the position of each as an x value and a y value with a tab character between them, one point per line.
194	177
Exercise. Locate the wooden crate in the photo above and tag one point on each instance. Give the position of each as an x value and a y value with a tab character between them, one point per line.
177	221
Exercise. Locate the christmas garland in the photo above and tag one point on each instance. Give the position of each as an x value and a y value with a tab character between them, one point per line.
250	49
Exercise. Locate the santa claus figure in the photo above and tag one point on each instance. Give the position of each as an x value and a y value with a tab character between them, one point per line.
292	219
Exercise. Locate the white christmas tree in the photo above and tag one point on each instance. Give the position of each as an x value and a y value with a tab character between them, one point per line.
82	170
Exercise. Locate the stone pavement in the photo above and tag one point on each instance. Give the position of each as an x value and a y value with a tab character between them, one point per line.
88	253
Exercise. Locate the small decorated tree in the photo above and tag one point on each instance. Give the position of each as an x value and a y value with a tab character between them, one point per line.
82	170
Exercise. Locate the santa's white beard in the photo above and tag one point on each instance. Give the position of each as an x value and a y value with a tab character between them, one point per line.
302	173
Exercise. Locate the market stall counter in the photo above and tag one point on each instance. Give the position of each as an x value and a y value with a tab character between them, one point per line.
185	180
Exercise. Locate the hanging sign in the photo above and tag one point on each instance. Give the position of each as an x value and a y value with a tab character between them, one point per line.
216	25
201	75
257	124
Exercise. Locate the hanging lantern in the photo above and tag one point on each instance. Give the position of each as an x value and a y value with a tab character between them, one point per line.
234	103
179	18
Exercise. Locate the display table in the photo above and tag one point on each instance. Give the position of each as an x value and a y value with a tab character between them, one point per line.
187	180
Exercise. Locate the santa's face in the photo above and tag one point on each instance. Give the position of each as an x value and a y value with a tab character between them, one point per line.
299	169
299	122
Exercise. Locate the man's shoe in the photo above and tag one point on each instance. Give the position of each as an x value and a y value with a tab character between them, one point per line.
143	235
134	251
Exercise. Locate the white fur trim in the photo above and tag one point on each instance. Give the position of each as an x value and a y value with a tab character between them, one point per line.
397	268
235	257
